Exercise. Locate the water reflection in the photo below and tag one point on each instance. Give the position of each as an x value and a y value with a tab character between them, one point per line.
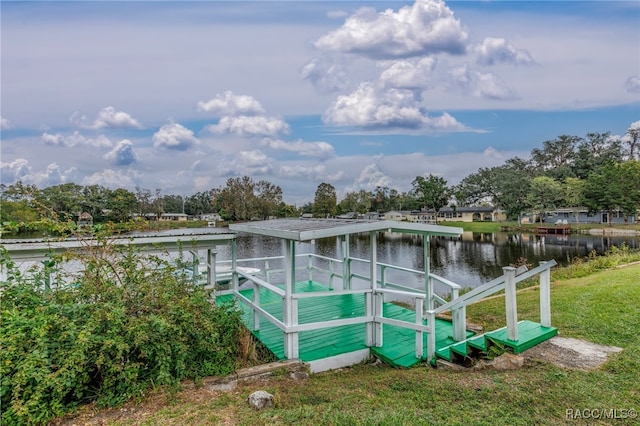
470	260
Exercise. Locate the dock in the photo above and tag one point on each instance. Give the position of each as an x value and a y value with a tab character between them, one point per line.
335	317
553	230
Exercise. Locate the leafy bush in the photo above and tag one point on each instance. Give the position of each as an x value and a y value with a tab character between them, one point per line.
125	325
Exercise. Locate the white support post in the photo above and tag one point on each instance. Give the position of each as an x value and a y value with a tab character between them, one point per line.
331	275
419	334
194	266
431	338
428	281
267	273
459	319
256	301
211	268
290	306
234	263
346	264
510	301
376	305
310	267
545	297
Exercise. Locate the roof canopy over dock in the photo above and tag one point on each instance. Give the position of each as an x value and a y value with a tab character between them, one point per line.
305	230
187	239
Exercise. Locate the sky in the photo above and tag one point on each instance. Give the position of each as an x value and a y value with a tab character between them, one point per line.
181	96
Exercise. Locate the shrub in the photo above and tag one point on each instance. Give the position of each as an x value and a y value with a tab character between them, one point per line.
127	324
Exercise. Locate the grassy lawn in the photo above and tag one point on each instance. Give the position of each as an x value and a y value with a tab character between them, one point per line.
602	308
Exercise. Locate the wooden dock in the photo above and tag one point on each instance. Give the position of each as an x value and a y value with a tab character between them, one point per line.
398	348
553	230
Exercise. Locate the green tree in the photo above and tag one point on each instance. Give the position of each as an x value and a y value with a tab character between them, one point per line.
594	151
325	201
556	157
633	140
614	186
505	186
358	202
432	192
122	204
574	195
174	203
268	198
94	201
64	201
544	194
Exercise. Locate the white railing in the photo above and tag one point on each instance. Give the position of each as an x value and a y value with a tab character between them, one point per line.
506	282
374	299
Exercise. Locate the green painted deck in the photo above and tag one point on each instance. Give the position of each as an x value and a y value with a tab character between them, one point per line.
398	347
529	334
398	343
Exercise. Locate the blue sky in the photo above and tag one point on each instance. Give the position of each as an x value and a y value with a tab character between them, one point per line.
181	96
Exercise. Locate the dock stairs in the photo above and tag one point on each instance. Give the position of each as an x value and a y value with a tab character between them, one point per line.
467	351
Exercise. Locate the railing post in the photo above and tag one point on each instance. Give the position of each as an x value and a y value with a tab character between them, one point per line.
545	297
510	301
431	338
290	305
267	273
459	319
211	269
310	267
419	340
330	274
256	302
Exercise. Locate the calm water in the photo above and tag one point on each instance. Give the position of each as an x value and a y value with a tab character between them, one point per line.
471	260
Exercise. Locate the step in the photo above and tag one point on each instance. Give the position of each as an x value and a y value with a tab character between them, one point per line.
478	342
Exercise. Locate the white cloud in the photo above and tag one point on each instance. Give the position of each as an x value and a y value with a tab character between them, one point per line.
114	179
108	118
248	163
320	150
250	126
230	104
21	170
408	74
370	177
174	136
325	76
75	139
632	84
123	154
4	124
15	170
370	108
310	172
426	27
494	51
481	85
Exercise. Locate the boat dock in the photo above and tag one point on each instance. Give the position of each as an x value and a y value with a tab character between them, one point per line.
553	230
335	312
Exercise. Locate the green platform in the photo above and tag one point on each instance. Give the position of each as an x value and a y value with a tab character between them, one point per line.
529	334
398	343
398	347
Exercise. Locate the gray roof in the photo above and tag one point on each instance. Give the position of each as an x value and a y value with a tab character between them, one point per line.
311	229
188	239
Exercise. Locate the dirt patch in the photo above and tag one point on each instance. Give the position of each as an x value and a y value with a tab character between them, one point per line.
571	353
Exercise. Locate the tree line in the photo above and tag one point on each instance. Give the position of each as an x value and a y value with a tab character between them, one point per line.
597	172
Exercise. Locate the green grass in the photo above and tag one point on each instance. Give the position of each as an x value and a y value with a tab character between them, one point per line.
602	308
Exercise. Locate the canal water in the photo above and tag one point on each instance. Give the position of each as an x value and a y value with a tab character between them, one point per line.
469	261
